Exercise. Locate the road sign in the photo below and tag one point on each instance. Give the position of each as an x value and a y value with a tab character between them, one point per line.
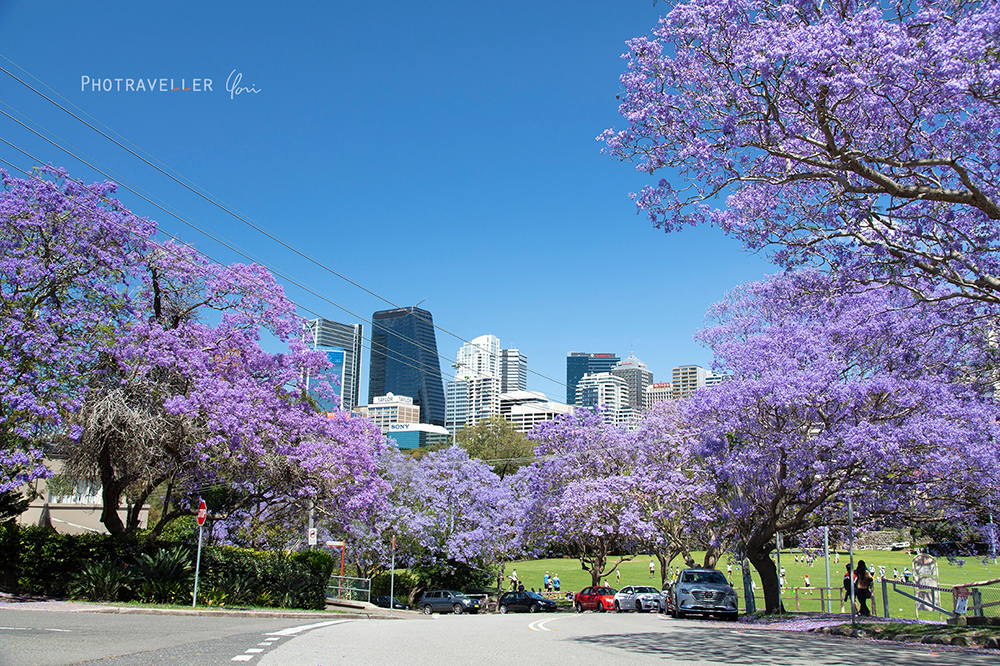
335	544
202	513
312	536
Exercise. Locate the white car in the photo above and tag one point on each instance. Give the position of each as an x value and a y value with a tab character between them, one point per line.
639	598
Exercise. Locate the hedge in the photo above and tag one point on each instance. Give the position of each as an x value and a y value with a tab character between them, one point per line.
41	562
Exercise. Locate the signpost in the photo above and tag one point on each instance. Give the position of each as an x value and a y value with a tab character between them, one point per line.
342	546
202	514
392	577
312	536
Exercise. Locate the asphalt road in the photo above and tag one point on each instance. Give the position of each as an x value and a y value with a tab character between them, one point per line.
48	638
589	639
58	638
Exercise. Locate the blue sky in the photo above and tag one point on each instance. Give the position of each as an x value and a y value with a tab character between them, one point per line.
439	150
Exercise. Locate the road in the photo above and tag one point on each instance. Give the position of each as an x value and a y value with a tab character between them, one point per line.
60	638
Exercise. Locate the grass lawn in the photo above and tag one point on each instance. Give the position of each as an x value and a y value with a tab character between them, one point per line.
636	572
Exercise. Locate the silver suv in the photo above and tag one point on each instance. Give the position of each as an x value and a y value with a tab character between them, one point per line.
704	591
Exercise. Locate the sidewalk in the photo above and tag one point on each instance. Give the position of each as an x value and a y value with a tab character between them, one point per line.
352	612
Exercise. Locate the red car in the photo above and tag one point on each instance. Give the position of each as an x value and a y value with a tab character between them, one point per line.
598	599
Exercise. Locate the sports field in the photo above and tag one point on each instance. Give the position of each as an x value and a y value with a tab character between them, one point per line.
636	572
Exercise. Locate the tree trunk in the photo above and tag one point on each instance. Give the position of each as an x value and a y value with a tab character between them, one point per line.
712	557
768	578
665	559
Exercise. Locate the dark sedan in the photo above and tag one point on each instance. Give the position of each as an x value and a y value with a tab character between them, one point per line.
525	602
384	602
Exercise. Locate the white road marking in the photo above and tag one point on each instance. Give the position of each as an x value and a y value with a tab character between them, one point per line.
255	650
539	625
66	631
242	657
273	638
292	631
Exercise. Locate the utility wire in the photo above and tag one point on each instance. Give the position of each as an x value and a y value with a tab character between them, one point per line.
401	358
225	243
221	205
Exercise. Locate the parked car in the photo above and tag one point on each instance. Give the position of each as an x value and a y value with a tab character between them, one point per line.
599	599
639	598
530	602
703	591
390	602
448	601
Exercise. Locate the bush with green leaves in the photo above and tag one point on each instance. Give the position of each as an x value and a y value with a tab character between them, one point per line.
165	577
102	580
45	563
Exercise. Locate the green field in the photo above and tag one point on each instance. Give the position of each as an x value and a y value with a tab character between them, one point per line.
636	572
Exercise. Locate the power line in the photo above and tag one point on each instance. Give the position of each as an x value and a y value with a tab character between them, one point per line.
183	182
225	243
401	358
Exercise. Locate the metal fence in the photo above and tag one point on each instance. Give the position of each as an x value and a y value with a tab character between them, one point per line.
346	588
898	599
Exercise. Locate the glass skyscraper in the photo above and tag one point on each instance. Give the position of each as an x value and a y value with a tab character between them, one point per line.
342	345
404	361
579	364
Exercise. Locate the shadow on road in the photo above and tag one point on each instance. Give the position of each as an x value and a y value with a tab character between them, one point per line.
765	648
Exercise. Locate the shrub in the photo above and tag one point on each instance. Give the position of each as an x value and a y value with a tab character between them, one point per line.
101	581
164	577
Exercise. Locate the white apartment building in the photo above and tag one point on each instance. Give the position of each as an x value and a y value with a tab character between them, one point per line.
478	358
526	409
604	389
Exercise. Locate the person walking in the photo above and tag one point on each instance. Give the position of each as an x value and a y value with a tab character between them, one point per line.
863	580
652	569
555	581
848	584
547	581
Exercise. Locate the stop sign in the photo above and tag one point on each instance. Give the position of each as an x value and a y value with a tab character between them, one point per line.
202	513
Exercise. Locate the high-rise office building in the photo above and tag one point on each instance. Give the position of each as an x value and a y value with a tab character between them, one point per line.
637	377
474	394
404	360
658	392
388	410
579	364
689	378
478	358
342	345
513	371
603	389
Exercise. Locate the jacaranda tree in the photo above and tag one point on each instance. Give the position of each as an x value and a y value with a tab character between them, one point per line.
586	497
862	134
836	395
65	251
188	400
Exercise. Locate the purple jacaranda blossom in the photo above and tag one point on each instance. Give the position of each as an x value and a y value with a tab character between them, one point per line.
443	508
65	251
836	394
863	135
586	493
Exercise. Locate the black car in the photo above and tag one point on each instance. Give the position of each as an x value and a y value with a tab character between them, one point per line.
384	602
529	602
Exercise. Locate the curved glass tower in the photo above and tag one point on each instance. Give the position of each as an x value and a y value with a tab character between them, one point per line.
404	361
